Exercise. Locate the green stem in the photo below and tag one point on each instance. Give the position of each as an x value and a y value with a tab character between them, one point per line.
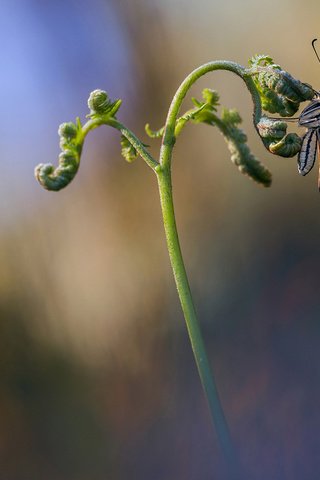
198	347
135	142
169	131
163	172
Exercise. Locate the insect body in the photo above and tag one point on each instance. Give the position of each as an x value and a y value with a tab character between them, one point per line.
309	118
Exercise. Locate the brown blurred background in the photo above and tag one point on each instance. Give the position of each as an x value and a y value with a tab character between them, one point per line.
97	376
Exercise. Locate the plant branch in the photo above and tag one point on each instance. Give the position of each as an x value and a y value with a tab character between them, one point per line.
130	136
169	135
135	142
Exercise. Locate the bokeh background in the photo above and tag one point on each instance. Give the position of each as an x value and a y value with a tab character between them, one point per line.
97	379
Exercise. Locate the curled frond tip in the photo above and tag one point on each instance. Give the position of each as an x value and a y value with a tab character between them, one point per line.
71	140
55	179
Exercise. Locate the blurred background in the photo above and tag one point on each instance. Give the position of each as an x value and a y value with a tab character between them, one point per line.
97	378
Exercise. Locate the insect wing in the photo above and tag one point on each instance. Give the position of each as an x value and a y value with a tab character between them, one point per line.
308	152
310	116
318	135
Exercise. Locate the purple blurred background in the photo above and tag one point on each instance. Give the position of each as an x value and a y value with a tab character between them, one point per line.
97	375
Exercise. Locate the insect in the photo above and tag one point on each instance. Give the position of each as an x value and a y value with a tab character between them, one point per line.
310	119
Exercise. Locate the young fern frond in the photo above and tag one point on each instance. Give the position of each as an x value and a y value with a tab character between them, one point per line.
275	139
72	136
279	91
235	138
71	142
272	89
241	155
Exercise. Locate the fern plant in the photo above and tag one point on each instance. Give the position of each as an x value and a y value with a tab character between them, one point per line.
272	90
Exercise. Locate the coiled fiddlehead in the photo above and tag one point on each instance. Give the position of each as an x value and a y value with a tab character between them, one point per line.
72	136
279	91
228	124
273	135
71	141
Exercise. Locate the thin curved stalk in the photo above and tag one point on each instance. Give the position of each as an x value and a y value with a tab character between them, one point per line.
165	188
169	136
196	339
